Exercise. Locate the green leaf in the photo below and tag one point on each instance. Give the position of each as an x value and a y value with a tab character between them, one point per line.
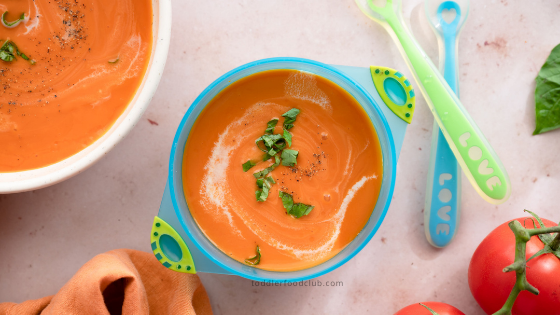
256	259
289	157
297	210
290	118
269	169
270	126
288	137
271	180
267	142
287	200
248	165
13	23
300	209
6	56
9	51
547	94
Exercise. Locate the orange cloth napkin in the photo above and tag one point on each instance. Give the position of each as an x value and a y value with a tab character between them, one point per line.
122	281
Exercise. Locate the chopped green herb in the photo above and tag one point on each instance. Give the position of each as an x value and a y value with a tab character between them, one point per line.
248	165
297	210
114	60
265	186
6	56
271	180
289	157
288	137
287	200
269	169
267	142
290	118
270	126
9	51
300	209
256	259
13	23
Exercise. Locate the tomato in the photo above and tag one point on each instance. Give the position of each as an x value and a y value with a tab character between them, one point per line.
440	308
491	287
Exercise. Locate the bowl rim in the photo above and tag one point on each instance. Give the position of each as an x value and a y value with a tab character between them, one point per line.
138	105
173	173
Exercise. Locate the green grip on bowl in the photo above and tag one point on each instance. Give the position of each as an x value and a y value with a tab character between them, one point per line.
395	90
169	248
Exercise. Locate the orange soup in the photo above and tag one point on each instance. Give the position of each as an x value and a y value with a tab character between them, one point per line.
336	177
86	60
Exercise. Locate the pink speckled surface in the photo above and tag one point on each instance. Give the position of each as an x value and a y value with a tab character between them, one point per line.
46	235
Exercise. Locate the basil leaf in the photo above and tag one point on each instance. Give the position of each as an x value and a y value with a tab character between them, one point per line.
256	259
287	200
13	23
288	137
270	126
547	94
289	157
258	194
113	61
6	56
248	165
262	195
9	51
271	180
269	169
300	209
290	118
268	141
266	157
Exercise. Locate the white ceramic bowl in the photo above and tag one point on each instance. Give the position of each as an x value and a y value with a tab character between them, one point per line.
52	174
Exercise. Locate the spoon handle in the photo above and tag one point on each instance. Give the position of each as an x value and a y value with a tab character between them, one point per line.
443	191
476	157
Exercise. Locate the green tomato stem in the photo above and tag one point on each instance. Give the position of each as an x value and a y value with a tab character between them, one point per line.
555	244
522	236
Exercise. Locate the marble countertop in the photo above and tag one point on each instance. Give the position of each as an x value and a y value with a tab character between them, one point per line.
46	235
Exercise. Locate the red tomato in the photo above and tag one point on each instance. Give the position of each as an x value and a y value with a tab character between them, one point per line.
491	287
440	308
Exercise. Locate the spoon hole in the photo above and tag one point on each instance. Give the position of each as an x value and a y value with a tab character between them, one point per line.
449	15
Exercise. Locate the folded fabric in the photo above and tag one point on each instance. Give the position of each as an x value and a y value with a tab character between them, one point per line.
122	281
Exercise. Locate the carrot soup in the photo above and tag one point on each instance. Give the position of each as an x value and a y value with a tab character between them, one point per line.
68	70
282	170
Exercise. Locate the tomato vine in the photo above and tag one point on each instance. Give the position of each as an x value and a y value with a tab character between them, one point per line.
522	236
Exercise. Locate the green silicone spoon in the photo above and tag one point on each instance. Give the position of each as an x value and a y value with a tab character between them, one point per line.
476	157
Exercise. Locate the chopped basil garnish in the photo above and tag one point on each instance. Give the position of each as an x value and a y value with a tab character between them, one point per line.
256	259
289	157
272	144
267	143
290	118
270	126
9	51
13	23
269	169
287	200
288	137
297	210
247	165
114	60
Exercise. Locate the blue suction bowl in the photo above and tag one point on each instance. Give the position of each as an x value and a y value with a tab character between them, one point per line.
222	260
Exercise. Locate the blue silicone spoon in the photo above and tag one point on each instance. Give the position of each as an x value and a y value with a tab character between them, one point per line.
443	191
